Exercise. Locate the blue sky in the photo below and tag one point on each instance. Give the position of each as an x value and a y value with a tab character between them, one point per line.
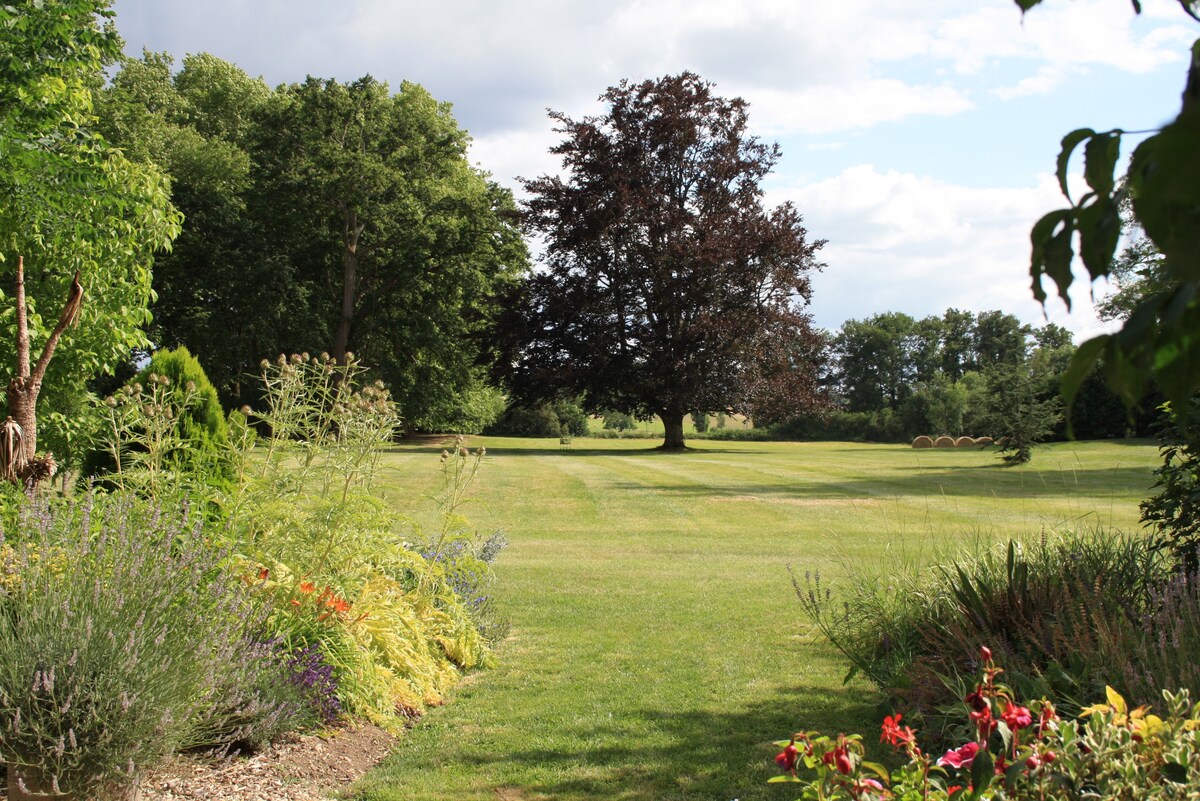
918	136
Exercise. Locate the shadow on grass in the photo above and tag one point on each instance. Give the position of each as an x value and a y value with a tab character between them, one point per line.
968	481
651	754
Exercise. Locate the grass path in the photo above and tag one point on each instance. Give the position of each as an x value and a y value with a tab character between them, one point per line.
657	646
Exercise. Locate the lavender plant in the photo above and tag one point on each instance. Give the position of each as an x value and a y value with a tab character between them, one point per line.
118	627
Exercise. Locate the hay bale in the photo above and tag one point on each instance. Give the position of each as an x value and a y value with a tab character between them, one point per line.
944	442
922	442
983	441
1002	442
964	442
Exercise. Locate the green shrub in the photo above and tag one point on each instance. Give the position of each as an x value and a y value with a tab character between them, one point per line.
618	421
1068	614
558	419
118	635
164	429
1174	510
389	621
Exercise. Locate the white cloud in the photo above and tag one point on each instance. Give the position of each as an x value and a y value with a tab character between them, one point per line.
826	109
911	243
1045	81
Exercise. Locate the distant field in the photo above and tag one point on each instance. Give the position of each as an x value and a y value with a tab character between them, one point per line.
657	646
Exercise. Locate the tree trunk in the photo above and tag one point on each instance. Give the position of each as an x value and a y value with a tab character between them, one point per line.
351	233
23	389
673	423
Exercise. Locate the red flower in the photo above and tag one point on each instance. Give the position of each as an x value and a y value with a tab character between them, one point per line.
976	700
960	757
841	759
895	734
984	721
985	653
787	758
1017	717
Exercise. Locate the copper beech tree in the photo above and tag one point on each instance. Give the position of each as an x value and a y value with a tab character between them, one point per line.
666	287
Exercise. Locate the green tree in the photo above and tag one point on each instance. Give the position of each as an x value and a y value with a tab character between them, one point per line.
218	291
1018	412
86	219
875	361
403	247
957	354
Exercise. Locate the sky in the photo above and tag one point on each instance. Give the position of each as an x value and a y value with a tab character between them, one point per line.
918	137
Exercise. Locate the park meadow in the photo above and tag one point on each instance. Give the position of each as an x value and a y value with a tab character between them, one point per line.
657	643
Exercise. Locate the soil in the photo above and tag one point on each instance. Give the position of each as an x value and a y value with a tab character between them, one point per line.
306	768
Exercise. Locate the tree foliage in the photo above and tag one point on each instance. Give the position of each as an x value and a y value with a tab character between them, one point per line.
72	206
1160	338
324	216
668	288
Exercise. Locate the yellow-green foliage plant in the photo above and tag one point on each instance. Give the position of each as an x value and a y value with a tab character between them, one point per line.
331	553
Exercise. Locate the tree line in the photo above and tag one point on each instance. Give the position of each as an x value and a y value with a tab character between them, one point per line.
892	377
321	216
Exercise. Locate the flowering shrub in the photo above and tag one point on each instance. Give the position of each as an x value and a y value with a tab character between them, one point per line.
1016	751
120	638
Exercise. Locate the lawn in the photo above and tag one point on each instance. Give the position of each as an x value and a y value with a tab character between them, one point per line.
657	647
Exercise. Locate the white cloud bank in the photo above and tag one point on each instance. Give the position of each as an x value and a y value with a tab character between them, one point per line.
910	243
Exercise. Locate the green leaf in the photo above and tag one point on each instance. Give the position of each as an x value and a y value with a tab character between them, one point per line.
783	779
1099	230
850	674
1059	255
982	769
877	769
1174	772
1069	143
1013	772
1100	160
1164	174
1082	362
1040	237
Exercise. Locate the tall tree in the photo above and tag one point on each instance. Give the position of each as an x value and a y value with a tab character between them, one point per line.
76	213
215	293
667	287
875	359
403	244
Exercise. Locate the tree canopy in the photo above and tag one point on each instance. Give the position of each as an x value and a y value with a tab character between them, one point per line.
323	216
73	205
667	288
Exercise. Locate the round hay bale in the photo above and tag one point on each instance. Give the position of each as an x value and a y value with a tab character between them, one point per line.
984	441
1000	443
944	442
922	442
964	442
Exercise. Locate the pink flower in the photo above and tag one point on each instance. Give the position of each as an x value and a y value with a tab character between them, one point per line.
1017	717
960	757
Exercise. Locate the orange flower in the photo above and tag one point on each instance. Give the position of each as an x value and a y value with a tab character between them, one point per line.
295	602
307	587
341	607
262	574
